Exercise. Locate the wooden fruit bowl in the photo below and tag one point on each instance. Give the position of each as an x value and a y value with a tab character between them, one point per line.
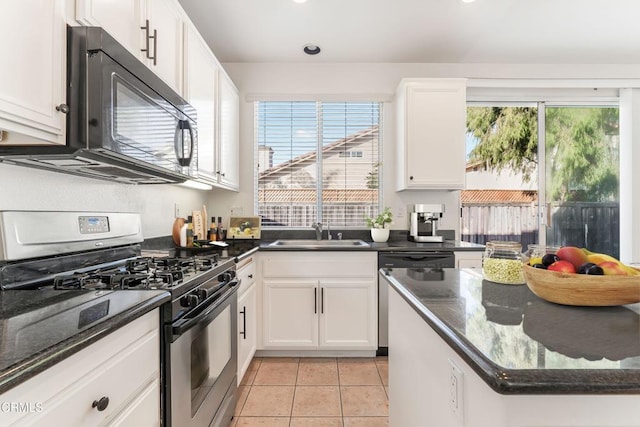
582	289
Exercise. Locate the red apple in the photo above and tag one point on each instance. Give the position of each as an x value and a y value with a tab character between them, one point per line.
612	268
562	266
572	254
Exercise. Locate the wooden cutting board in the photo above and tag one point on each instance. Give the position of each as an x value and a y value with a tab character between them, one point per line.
175	234
198	225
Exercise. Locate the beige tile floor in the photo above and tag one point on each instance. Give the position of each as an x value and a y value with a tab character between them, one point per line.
314	392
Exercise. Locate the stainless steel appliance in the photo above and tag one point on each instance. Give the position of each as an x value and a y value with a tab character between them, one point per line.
54	252
423	222
423	264
123	122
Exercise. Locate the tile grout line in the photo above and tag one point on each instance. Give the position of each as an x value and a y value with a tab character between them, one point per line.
340	392
295	389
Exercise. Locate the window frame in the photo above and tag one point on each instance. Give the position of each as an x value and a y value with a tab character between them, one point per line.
319	182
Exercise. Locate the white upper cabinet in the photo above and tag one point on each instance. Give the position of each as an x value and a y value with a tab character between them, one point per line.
152	30
121	19
166	20
201	89
215	98
431	117
32	75
229	133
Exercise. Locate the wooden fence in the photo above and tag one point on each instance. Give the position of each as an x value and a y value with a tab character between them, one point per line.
595	226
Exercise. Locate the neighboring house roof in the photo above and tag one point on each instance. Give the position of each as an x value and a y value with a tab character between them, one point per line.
481	197
311	155
286	195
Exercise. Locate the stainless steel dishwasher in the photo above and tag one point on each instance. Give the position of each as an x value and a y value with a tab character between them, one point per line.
403	259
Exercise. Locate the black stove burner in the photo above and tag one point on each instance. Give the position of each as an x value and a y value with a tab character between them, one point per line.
139	273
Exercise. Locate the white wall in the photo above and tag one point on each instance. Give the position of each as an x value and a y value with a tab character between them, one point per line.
352	80
32	189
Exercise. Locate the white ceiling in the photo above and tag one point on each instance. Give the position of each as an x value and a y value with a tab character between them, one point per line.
435	31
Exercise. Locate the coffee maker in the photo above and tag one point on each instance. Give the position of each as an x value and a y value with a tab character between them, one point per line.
423	222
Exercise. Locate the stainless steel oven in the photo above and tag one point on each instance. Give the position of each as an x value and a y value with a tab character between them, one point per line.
202	365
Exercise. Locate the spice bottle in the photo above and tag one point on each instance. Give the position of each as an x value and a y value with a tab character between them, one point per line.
213	230
502	263
222	232
189	231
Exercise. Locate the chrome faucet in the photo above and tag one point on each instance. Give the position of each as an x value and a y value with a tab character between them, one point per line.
318	227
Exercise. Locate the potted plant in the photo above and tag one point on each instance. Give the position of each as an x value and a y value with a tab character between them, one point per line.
380	225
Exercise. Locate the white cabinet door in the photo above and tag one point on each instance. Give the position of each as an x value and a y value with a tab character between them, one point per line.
229	133
126	20
121	19
247	333
32	74
348	314
290	313
431	134
167	19
123	367
466	259
201	85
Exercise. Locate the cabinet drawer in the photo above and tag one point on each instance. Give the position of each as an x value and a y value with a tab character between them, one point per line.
247	276
120	367
320	264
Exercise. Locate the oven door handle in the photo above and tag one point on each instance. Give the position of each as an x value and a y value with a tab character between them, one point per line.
183	325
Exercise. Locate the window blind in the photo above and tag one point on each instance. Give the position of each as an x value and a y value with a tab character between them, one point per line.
317	161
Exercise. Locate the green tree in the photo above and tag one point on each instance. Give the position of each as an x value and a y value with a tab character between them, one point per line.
507	138
581	152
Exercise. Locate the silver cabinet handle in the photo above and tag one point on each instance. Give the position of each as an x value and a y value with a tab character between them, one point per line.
155	47
146	38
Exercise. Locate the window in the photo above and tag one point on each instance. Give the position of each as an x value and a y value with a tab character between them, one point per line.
571	198
299	141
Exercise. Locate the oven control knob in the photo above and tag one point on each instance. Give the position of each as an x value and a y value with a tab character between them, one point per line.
227	276
189	301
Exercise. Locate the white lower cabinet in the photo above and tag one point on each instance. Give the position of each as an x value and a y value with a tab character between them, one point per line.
247	315
319	301
468	259
115	381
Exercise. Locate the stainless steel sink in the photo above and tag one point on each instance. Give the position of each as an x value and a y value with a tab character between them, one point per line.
311	244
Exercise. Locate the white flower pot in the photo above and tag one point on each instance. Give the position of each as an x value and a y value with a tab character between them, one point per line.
380	235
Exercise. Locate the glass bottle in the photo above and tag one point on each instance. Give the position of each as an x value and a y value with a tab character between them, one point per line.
213	230
502	263
189	231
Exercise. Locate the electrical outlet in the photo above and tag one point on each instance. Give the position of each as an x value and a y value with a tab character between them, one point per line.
176	210
237	211
456	382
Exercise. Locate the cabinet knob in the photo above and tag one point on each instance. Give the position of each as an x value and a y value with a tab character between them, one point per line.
251	276
101	404
411	178
63	108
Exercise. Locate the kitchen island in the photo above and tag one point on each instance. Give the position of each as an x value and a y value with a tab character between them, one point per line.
468	352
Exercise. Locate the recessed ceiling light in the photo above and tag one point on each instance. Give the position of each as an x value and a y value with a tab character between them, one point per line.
463	1
299	1
311	49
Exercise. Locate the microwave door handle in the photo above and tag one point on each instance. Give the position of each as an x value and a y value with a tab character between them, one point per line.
179	143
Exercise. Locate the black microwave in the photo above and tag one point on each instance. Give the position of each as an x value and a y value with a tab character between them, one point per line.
123	122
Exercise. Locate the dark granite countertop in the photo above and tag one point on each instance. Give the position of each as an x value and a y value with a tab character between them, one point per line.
239	248
520	344
40	328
